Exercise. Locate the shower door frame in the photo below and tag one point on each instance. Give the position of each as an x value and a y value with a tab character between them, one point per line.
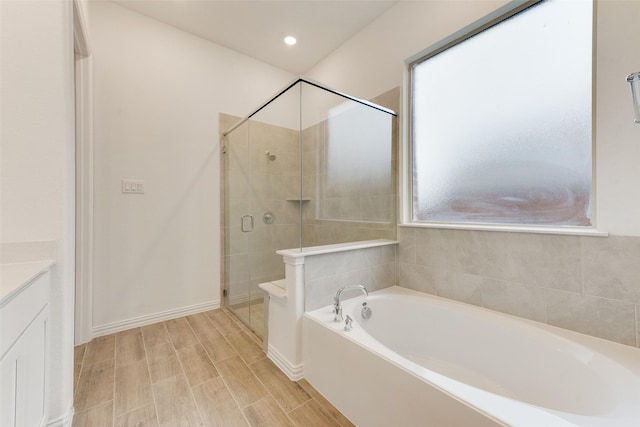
228	223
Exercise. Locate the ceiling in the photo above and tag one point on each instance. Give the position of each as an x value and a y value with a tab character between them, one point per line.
257	28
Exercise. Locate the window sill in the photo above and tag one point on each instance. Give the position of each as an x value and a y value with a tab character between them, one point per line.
569	231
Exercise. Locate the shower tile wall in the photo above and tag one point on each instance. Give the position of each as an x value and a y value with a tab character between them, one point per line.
324	274
586	284
275	183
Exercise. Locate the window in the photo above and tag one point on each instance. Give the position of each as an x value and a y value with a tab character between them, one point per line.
501	121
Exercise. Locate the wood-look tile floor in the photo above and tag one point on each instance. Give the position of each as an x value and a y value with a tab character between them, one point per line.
205	369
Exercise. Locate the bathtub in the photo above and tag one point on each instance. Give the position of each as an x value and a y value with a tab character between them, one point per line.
421	360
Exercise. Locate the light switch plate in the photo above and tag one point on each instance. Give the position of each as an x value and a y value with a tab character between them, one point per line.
133	186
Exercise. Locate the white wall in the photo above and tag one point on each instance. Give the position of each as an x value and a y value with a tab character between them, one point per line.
158	92
617	137
37	193
372	62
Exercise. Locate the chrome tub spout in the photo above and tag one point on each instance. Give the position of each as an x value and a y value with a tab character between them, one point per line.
336	300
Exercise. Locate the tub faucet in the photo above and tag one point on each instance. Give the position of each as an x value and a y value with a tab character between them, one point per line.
348	323
337	308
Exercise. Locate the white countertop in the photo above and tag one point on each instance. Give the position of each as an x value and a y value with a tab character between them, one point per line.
14	276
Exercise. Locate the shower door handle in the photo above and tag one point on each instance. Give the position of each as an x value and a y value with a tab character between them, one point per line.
246	224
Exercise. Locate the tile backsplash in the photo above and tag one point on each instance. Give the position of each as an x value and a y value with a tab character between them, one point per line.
582	283
325	274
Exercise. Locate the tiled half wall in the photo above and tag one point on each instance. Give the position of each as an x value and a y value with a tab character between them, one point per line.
325	274
582	283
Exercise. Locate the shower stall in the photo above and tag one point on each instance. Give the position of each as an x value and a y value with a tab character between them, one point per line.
309	167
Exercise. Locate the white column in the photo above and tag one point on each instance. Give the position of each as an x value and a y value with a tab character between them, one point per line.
285	321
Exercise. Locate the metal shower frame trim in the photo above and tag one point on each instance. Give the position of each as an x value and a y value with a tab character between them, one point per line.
315	84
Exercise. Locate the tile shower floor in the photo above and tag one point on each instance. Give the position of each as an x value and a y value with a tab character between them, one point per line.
200	370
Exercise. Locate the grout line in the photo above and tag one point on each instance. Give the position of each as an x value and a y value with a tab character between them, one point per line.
587	295
77	382
146	358
116	346
88	408
302	404
115	369
138	407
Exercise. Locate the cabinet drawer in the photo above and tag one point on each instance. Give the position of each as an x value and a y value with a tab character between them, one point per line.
16	316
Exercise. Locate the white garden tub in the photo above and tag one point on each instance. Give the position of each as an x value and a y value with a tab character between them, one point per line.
421	360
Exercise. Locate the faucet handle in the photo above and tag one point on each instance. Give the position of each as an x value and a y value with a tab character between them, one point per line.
366	311
348	323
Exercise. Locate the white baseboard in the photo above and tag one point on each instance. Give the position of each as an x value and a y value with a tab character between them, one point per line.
64	420
148	319
294	372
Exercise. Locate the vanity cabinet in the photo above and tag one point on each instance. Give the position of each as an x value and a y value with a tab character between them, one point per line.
24	354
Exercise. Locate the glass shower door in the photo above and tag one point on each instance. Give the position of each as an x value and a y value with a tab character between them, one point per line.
239	266
262	203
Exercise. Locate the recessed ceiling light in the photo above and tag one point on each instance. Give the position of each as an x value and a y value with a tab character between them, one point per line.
290	40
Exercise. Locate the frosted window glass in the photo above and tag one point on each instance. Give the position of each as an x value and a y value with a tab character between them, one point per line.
501	122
